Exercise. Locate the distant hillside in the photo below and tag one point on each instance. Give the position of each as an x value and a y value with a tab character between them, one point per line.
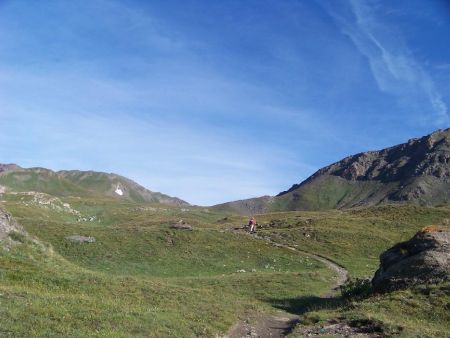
249	206
79	183
417	171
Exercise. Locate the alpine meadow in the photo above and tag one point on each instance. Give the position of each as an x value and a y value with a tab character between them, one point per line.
225	169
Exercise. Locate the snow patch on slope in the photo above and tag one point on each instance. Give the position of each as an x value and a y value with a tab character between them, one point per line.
119	191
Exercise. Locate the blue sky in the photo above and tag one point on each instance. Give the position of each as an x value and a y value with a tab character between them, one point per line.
213	101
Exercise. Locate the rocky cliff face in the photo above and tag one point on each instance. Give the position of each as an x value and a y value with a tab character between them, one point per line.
425	258
427	156
417	171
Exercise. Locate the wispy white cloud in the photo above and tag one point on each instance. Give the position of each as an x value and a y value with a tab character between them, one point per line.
393	65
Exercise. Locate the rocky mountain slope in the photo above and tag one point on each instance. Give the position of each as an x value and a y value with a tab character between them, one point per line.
417	171
78	183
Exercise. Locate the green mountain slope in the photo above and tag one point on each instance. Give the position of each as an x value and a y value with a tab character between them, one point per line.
79	183
415	172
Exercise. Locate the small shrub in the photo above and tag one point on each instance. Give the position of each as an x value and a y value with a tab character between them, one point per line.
356	288
424	290
404	252
17	236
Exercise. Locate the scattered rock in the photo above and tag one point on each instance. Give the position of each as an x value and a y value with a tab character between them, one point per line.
87	219
423	259
264	325
181	225
45	201
153	209
81	239
353	328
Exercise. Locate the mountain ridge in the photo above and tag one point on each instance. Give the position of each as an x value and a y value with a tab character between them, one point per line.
417	171
355	173
79	183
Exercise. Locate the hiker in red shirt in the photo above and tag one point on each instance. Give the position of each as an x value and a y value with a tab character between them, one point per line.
252	224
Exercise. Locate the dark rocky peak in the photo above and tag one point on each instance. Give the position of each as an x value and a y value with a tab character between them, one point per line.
429	155
425	156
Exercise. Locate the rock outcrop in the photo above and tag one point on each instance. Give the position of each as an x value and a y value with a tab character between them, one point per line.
423	259
8	167
425	156
8	227
6	224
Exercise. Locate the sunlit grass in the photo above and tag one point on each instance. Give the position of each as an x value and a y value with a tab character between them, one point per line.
142	278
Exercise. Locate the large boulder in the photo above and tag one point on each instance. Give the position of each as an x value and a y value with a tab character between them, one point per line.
423	259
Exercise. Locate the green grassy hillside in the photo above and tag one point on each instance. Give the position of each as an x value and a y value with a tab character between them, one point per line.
331	192
81	184
41	180
141	278
355	238
324	193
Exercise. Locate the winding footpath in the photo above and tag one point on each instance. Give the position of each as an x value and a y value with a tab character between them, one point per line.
274	326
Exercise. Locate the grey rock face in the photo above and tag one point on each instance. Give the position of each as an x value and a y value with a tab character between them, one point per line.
425	258
417	172
427	156
7	225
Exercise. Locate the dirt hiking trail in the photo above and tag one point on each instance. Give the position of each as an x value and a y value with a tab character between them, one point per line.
273	325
